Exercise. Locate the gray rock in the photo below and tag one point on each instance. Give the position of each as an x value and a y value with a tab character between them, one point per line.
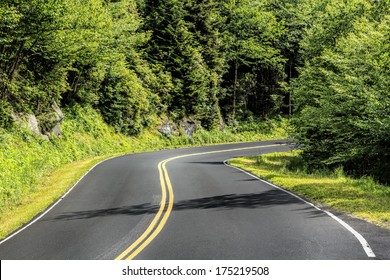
28	121
56	130
58	113
32	124
167	128
189	127
50	122
46	124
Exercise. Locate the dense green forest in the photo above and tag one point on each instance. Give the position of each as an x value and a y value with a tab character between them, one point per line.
325	63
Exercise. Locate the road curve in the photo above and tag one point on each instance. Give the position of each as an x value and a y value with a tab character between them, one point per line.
187	204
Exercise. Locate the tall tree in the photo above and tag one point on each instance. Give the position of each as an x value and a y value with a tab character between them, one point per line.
253	32
29	62
344	100
176	45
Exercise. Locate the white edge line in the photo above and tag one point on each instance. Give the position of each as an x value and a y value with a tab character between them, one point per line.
55	203
366	247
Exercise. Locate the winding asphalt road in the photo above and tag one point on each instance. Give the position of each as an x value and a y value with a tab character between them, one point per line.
187	204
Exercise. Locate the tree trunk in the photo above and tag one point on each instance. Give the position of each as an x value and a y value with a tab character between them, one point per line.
235	88
289	92
15	64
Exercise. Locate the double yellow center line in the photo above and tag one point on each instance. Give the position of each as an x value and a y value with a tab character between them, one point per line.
166	204
159	220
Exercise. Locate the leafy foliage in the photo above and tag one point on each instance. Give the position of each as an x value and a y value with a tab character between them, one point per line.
67	50
343	98
216	62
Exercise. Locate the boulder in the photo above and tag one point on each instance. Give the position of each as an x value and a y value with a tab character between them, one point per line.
50	121
189	127
168	128
46	124
28	121
59	114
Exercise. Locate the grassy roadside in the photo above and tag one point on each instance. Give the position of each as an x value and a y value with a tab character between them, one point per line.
34	172
48	190
362	198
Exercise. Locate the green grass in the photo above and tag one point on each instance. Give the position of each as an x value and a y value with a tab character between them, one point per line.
362	197
48	190
35	172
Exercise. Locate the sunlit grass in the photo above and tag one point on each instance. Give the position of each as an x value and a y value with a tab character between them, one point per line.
48	191
359	197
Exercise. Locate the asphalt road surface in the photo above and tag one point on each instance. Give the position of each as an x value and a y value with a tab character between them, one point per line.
187	204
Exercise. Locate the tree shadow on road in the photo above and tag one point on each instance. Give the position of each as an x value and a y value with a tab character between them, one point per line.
223	202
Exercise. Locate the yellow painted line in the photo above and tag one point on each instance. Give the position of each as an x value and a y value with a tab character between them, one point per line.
154	221
163	220
166	186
